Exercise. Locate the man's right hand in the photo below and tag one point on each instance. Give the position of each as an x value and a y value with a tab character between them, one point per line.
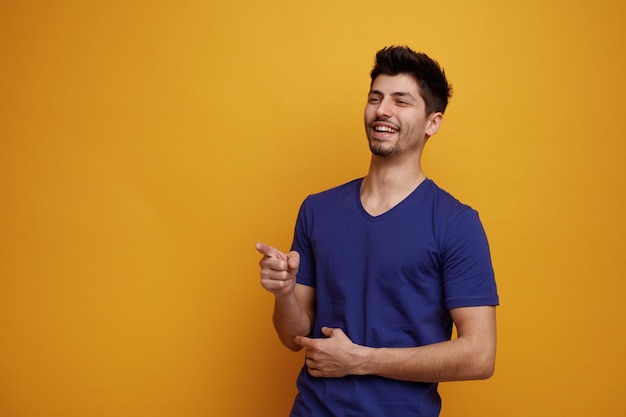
278	270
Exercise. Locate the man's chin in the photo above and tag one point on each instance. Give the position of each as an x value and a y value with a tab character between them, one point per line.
381	150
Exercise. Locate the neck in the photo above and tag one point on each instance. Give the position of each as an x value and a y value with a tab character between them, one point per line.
388	183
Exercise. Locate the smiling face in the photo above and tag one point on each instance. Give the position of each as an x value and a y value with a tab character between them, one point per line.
395	116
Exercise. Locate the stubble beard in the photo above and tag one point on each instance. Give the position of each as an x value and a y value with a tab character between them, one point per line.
379	148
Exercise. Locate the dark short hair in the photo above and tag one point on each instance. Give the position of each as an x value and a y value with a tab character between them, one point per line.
431	78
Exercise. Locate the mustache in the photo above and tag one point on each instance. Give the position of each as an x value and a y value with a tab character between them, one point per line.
384	120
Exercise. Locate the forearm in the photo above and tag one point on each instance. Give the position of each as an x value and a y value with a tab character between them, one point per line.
470	356
290	320
294	303
453	360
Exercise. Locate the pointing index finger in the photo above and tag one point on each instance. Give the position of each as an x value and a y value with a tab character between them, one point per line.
270	251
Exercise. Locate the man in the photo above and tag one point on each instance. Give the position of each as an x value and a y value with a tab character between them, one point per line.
383	266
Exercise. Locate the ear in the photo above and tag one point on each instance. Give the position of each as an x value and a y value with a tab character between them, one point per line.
434	123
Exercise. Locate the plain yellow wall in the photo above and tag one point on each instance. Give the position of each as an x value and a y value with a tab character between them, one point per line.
146	146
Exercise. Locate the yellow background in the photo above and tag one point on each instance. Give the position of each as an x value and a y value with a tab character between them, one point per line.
146	146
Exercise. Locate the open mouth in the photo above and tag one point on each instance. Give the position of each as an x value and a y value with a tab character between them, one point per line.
382	127
385	129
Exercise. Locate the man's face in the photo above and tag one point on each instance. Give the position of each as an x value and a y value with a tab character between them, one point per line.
395	116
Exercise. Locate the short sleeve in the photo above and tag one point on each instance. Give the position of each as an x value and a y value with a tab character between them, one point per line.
302	245
468	276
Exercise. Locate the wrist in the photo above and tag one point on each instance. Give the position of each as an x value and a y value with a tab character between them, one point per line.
285	297
364	359
284	289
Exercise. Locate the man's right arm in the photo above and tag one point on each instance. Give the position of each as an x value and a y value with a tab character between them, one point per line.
294	304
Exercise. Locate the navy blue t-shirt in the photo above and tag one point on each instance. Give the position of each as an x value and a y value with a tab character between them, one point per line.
387	281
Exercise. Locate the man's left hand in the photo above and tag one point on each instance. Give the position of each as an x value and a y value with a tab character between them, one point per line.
334	356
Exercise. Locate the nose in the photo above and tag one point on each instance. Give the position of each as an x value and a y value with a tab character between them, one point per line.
384	109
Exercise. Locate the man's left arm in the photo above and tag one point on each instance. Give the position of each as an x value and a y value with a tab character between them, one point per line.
469	356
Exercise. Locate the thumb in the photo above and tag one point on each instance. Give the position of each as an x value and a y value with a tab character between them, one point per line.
302	341
328	331
293	260
270	251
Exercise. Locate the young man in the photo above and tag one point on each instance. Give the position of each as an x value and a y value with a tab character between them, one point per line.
383	266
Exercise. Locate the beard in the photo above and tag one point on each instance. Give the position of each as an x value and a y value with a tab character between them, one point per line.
383	149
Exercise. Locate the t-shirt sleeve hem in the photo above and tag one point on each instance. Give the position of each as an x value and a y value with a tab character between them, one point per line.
473	302
307	284
305	281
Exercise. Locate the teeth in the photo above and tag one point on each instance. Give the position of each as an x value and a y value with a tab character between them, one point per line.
385	129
